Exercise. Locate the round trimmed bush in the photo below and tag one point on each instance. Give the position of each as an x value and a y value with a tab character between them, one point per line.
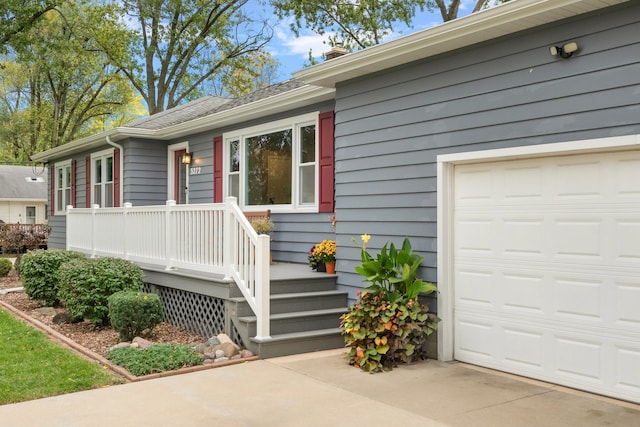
5	266
86	285
134	314
39	270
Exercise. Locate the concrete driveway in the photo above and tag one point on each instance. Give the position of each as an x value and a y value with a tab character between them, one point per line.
320	389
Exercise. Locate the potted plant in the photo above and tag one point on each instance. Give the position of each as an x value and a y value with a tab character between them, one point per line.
263	225
388	324
325	253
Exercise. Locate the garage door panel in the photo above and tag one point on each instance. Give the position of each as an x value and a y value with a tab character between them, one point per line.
547	269
627	309
579	299
627	372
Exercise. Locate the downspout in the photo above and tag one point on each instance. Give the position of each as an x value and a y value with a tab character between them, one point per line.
121	148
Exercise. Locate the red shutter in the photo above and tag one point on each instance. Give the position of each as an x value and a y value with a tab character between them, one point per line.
73	183
326	162
52	186
217	169
116	177
87	186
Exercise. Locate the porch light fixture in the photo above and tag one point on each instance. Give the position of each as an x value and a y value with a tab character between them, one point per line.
564	51
186	159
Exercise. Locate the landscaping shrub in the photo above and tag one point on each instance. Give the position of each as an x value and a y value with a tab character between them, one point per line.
39	270
5	266
85	286
388	324
157	358
134	314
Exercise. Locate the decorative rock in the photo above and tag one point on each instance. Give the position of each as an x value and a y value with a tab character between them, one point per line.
62	318
142	343
230	349
207	361
236	357
246	353
221	359
223	338
208	355
213	341
46	311
121	345
220	353
134	345
202	348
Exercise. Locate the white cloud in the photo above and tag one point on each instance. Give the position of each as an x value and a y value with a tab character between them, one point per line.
289	45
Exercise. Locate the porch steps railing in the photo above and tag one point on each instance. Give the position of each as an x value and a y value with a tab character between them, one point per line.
305	317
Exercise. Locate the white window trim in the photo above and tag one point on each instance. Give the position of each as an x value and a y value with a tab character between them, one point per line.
57	166
445	184
101	154
171	165
295	123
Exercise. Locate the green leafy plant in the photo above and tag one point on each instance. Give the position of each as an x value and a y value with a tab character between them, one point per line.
39	270
86	285
157	358
388	324
5	266
134	313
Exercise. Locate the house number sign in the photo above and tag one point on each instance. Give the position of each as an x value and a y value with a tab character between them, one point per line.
195	171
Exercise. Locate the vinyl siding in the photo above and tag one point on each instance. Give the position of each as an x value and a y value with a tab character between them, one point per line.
391	126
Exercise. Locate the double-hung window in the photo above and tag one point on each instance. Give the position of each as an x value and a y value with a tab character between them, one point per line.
63	186
274	165
102	179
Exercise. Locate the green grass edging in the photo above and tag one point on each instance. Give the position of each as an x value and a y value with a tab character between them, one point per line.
32	366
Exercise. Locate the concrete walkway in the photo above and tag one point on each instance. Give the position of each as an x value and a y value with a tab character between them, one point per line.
320	389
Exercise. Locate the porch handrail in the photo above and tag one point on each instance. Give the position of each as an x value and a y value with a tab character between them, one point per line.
210	238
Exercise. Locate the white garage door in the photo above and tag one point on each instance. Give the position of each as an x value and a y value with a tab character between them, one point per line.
547	269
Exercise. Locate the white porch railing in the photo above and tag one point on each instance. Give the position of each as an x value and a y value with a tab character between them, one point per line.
213	238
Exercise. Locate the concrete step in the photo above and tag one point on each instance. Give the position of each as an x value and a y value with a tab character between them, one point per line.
299	342
319	282
301	321
291	302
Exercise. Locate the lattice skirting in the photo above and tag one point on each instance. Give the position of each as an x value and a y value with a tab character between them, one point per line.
200	314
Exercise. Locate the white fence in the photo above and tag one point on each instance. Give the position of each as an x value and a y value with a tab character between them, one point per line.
214	238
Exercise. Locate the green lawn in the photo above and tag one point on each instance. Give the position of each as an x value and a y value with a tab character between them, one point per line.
32	366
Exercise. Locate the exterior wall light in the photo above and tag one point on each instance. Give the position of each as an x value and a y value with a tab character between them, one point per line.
186	159
564	51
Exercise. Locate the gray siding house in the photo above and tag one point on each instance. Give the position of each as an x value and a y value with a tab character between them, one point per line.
505	144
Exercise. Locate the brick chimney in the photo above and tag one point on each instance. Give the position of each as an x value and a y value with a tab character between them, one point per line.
335	52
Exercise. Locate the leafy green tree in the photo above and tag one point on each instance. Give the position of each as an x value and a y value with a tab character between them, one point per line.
186	44
17	16
362	23
59	83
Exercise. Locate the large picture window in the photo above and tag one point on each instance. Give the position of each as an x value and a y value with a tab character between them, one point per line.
63	186
102	179
274	165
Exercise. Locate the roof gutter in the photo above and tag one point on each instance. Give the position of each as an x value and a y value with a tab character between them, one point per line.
497	21
121	165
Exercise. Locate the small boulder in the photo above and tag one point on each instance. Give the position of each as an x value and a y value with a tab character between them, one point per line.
236	357
219	354
230	349
142	343
213	341
246	353
121	345
64	317
221	359
46	311
223	338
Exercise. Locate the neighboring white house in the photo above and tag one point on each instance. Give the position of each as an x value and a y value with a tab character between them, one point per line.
23	195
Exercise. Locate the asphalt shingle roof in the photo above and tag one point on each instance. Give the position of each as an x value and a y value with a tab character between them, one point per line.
14	185
208	105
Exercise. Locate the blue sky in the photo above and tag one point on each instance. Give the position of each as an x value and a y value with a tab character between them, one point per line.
292	52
